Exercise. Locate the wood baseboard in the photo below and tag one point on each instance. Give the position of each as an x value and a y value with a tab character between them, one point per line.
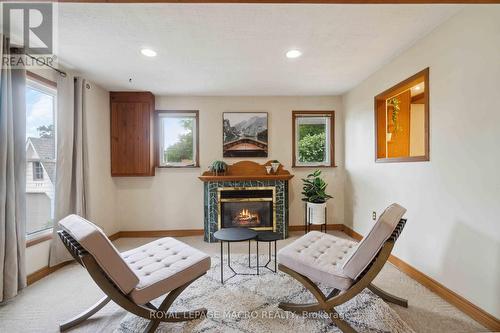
338	227
114	236
448	295
157	233
43	272
351	233
198	232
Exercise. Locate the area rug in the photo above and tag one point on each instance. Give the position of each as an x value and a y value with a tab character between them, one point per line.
250	304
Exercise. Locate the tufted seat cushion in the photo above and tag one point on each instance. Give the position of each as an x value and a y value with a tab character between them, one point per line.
320	257
162	266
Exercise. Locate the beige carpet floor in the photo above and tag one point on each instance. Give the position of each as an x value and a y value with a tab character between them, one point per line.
70	290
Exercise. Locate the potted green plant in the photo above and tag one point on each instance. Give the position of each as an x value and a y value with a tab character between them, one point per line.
275	164
395	104
218	167
314	188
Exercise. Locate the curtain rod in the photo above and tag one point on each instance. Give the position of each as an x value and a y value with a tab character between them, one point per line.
38	61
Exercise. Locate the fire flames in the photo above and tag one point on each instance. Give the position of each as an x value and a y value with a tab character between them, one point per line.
245	216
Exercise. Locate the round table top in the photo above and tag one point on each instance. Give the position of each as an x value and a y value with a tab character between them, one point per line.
235	234
268	236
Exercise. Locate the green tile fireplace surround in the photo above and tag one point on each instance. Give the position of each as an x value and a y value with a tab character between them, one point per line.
243	176
211	203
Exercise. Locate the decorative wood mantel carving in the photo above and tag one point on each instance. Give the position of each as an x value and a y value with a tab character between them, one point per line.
247	170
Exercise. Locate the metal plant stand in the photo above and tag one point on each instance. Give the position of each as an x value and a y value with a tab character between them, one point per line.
307	218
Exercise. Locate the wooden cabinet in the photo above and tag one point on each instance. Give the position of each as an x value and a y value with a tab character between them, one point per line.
132	141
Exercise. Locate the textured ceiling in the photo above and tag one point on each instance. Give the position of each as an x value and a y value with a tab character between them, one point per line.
238	49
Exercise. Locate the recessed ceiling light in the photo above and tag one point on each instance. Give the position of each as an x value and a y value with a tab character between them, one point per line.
417	87
293	54
148	52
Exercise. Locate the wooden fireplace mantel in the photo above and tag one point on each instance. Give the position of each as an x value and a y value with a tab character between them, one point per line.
247	170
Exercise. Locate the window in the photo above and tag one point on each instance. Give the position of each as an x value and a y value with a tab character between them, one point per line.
40	154
313	136
37	171
402	121
178	138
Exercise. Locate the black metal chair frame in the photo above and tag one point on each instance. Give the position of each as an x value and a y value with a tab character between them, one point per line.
156	315
336	297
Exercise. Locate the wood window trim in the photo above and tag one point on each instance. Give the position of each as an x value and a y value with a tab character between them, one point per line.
40	79
157	139
331	114
391	91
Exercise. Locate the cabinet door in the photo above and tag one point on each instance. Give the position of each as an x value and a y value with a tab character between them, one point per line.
130	139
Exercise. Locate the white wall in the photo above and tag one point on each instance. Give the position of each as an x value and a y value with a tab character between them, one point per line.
101	189
173	199
453	233
37	257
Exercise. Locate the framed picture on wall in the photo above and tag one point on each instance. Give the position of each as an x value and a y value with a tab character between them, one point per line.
244	134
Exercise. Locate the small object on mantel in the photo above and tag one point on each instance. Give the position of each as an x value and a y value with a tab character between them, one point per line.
275	164
247	170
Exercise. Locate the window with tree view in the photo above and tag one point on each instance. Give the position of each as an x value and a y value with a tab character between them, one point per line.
40	156
178	141
313	141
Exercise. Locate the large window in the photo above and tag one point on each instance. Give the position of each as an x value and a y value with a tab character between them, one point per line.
313	133
40	154
178	138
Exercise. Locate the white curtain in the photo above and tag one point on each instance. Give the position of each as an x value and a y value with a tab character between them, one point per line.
12	177
71	168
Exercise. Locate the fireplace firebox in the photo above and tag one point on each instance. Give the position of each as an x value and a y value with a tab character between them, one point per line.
247	207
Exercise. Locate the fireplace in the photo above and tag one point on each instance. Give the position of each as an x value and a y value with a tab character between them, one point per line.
225	192
247	207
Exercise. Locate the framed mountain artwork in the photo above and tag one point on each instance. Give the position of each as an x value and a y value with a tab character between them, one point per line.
245	134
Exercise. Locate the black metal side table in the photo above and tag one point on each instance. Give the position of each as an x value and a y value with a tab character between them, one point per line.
230	235
269	237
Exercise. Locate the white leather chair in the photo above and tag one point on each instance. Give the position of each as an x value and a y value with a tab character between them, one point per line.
346	266
133	278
